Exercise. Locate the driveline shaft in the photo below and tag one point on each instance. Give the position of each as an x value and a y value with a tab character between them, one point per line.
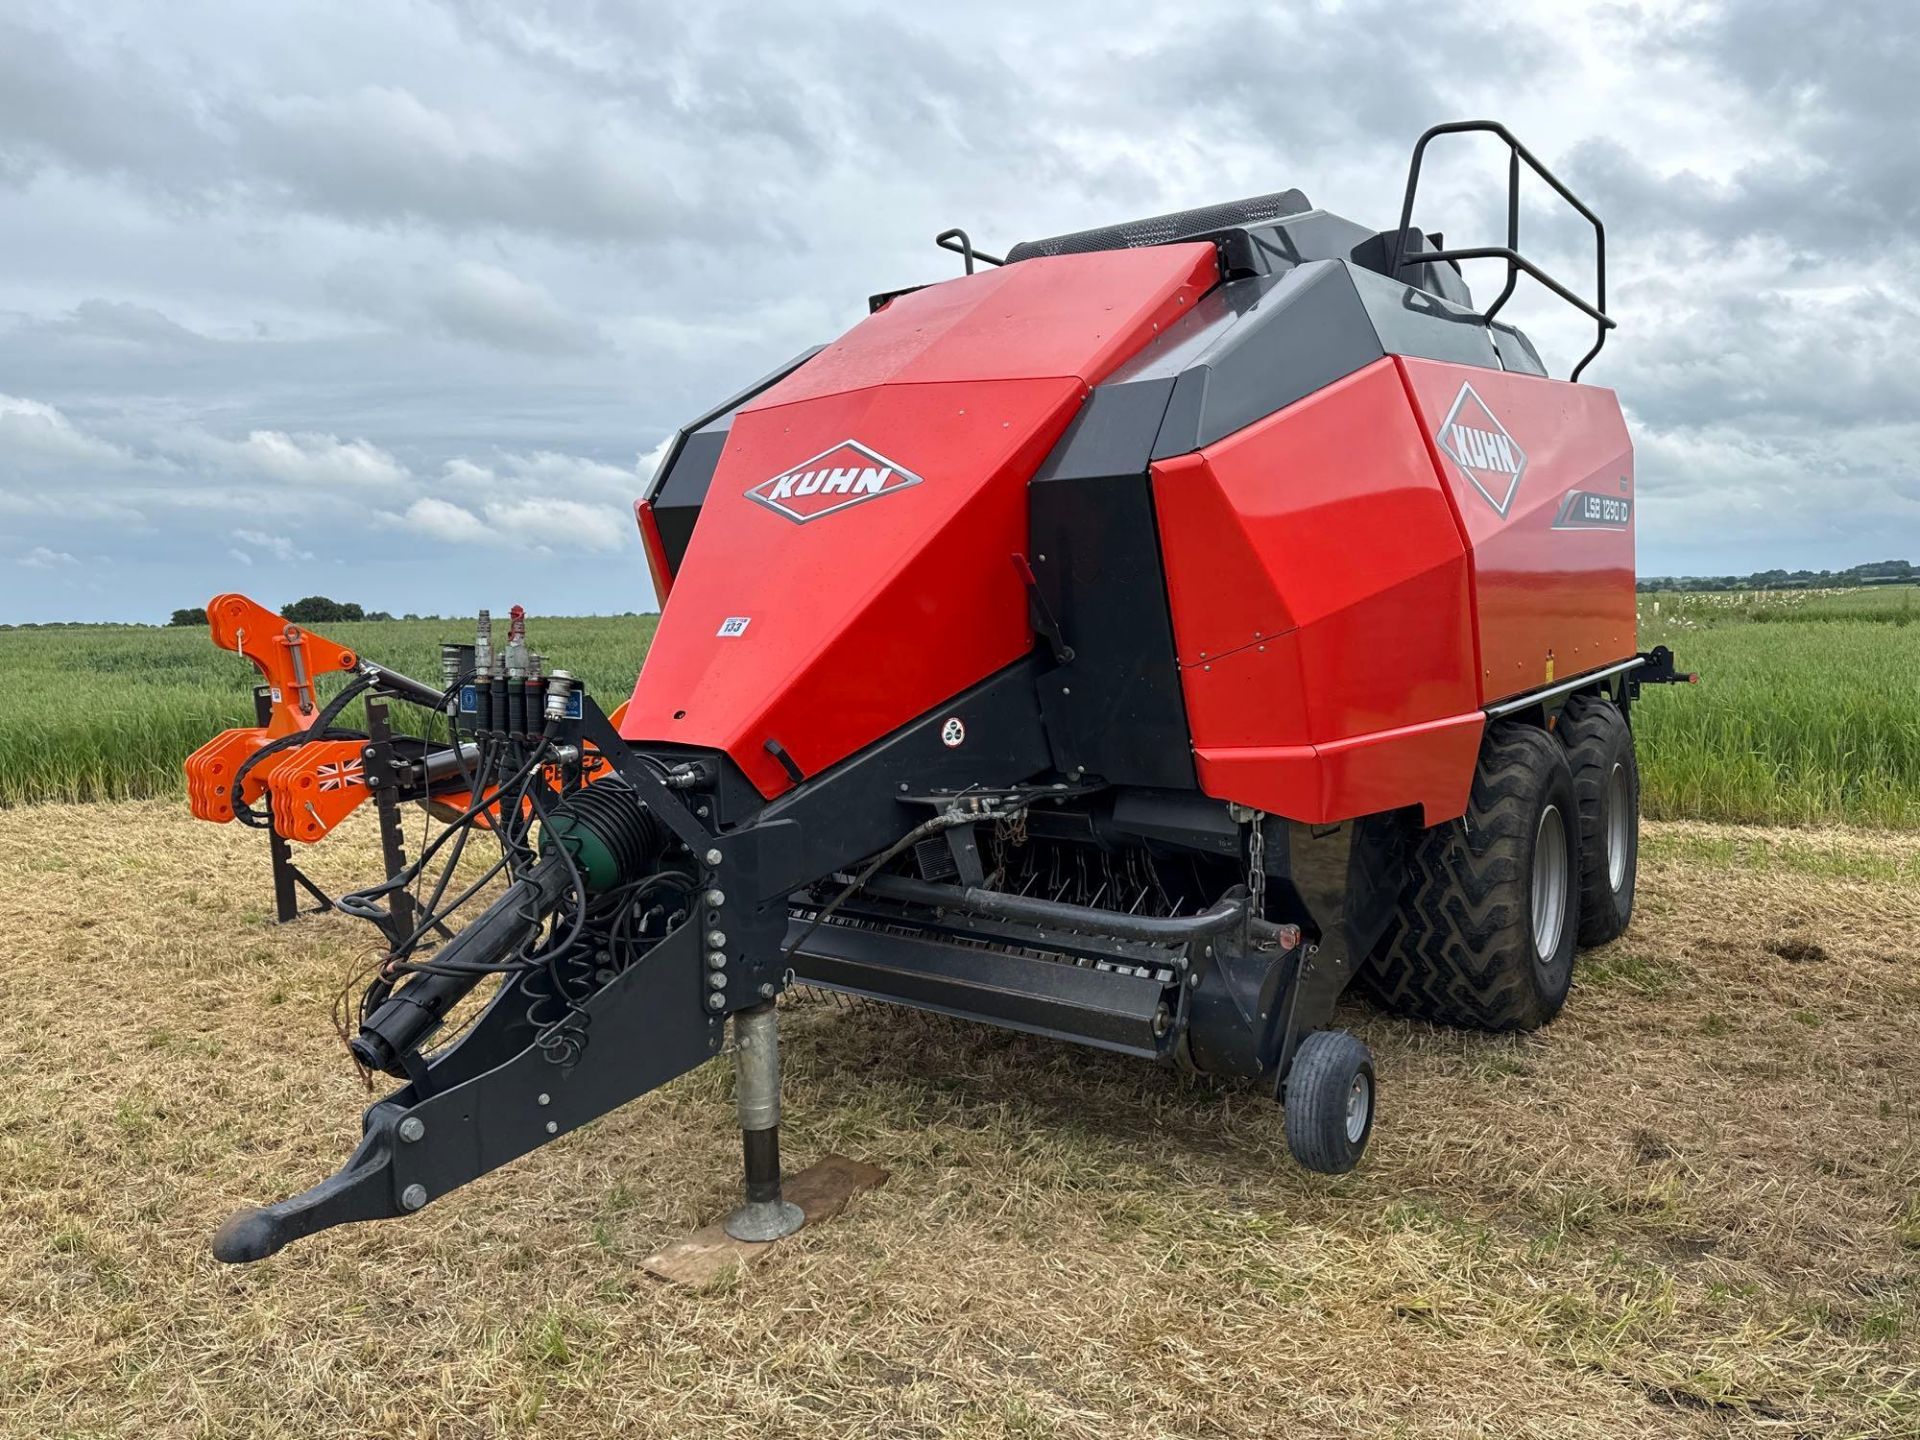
416	1009
608	838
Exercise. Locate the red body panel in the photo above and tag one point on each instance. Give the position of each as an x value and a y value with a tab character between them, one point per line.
1322	609
864	615
659	568
1354	578
1553	599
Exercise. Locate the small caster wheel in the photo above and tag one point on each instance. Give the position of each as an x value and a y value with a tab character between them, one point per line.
1329	1100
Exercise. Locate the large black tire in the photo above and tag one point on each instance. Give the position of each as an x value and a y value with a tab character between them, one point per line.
1329	1101
1484	933
1606	786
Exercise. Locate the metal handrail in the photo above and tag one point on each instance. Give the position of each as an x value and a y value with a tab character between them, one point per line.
1510	252
947	239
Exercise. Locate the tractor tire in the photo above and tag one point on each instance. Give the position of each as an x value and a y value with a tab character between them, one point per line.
1606	786
1483	937
1329	1101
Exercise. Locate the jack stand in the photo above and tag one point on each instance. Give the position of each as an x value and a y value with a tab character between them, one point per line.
765	1215
814	1195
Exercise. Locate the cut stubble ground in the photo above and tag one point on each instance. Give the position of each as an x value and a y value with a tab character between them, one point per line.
1688	1208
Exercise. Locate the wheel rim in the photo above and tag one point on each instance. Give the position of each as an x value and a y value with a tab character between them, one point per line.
1549	883
1359	1107
1619	820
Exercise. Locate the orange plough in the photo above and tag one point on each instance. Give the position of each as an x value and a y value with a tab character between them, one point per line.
290	659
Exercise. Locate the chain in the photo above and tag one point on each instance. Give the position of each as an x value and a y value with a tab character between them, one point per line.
1007	831
1257	865
1256	855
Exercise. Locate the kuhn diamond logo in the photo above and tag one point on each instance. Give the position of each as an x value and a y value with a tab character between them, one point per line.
848	474
1474	439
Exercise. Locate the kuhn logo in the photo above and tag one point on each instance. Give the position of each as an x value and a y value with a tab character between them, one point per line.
1475	440
848	474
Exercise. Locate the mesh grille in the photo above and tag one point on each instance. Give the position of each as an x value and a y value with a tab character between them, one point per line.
935	859
1165	229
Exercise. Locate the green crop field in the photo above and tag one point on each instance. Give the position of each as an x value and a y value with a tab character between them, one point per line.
1809	710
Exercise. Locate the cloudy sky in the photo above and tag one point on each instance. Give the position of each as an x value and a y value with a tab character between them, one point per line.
378	299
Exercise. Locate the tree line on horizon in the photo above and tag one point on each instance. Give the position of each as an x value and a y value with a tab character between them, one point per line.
1880	572
313	610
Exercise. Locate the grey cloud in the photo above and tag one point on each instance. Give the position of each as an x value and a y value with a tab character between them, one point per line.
34	433
41	558
122	322
460	263
477	301
310	461
1307	79
473	301
108	111
382	154
542	523
279	547
1828	91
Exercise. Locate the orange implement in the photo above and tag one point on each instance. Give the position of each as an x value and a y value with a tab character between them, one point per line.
290	659
314	786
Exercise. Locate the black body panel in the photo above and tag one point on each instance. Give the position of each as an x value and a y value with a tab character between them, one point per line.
1268	342
1166	229
1516	350
1440	278
1413	322
683	487
1115	710
1254	346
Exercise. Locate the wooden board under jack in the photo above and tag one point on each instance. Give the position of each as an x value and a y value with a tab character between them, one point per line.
821	1190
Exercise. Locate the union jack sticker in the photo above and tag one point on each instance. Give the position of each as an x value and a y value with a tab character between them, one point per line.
339	774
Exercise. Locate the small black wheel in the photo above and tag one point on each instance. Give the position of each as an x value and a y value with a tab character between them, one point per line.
1606	787
1329	1101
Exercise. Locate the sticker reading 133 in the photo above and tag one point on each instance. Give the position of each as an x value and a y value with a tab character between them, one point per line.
734	626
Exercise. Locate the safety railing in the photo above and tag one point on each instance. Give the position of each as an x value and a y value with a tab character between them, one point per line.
1596	309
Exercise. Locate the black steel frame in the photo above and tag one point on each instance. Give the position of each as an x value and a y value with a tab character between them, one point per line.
1231	985
1596	309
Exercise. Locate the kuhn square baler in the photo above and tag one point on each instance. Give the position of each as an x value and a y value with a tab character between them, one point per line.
1136	640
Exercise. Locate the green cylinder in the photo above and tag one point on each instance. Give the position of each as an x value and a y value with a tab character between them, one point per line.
598	867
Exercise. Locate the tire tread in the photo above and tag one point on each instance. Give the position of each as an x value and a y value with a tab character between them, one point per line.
1459	949
1590	728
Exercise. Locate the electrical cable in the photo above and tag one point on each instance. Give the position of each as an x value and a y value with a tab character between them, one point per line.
360	902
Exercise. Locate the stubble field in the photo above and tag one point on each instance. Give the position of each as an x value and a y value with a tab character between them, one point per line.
1691	1207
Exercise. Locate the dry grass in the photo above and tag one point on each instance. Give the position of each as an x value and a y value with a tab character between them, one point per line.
1690	1208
